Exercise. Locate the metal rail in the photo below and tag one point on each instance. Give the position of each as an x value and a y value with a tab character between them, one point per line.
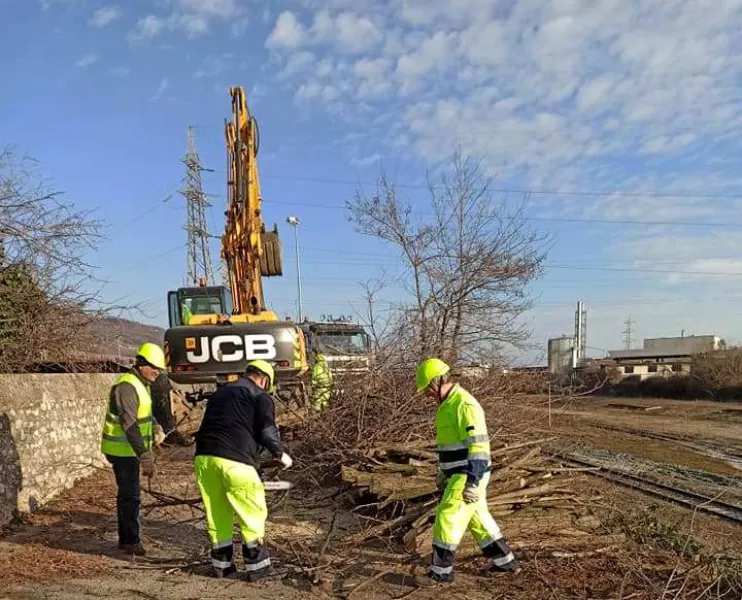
700	502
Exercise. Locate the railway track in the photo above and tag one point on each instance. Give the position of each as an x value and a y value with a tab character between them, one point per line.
694	500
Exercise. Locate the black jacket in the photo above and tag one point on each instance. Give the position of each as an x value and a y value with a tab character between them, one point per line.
238	423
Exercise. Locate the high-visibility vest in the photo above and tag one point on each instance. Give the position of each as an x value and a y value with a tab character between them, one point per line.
186	313
321	374
461	432
114	441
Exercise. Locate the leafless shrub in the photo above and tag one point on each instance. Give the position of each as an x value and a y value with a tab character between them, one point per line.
47	291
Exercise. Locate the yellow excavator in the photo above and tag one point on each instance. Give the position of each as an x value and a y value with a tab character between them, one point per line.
214	330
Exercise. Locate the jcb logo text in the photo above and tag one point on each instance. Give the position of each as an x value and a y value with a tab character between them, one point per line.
233	348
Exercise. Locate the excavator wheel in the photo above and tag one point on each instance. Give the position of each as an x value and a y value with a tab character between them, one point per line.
270	262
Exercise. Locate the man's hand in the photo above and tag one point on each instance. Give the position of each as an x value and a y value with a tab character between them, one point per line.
440	481
158	434
286	461
471	494
147	460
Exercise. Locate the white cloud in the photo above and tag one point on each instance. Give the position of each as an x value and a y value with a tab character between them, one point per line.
216	8
347	31
194	18
105	16
147	28
86	61
162	87
433	54
287	32
562	95
366	161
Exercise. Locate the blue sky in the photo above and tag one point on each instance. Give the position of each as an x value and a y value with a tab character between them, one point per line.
621	119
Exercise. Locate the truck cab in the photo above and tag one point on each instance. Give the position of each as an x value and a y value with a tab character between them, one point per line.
344	344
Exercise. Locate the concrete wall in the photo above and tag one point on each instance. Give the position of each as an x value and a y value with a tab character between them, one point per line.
50	427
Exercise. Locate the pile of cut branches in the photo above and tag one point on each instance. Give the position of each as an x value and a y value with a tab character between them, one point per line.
401	482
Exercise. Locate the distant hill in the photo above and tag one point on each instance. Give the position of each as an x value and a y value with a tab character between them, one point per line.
119	338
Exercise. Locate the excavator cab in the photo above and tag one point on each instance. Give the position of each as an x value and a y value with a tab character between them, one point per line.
198	305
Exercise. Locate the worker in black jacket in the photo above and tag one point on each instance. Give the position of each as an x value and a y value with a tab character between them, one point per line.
238	424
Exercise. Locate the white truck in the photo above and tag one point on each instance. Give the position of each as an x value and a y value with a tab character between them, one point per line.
345	345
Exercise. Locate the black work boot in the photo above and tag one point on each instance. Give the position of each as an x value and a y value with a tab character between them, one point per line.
135	549
228	573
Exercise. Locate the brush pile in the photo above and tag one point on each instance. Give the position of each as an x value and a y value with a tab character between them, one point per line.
401	479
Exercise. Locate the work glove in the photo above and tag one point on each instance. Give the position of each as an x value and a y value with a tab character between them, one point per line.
159	434
471	494
286	461
440	481
147	460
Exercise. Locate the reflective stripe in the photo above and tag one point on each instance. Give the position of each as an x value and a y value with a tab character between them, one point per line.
122	438
453	465
480	456
441	570
221	564
475	439
110	418
445	546
452	446
501	562
263	564
224	544
251	545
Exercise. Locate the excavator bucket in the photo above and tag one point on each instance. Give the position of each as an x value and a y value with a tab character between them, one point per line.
270	262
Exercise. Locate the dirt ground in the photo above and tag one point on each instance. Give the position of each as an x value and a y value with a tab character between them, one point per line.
607	543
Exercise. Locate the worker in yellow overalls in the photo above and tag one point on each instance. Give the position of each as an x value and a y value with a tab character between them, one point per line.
463	475
321	382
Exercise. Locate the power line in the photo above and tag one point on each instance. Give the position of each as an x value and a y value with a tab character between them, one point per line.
648	223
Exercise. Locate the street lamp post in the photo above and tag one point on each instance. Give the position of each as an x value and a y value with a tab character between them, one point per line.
295	222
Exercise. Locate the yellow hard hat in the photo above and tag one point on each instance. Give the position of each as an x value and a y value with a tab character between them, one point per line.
430	369
153	354
266	369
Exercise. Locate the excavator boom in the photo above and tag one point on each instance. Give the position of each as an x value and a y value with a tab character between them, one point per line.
250	252
215	331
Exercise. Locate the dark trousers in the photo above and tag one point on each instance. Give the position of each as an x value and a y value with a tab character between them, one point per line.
126	470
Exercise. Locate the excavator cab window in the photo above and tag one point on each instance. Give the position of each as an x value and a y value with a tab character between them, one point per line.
186	302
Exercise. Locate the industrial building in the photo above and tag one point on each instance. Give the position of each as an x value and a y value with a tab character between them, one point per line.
565	353
661	356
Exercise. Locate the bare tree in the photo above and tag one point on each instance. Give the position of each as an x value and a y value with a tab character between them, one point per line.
469	260
47	293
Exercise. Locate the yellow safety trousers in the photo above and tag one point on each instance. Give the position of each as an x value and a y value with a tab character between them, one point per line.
230	488
454	516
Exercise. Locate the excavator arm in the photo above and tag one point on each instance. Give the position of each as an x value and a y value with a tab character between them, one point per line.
249	251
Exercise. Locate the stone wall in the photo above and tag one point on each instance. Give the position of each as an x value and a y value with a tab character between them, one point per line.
50	427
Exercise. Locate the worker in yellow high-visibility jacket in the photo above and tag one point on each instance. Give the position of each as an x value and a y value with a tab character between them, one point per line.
127	438
464	471
238	423
321	382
